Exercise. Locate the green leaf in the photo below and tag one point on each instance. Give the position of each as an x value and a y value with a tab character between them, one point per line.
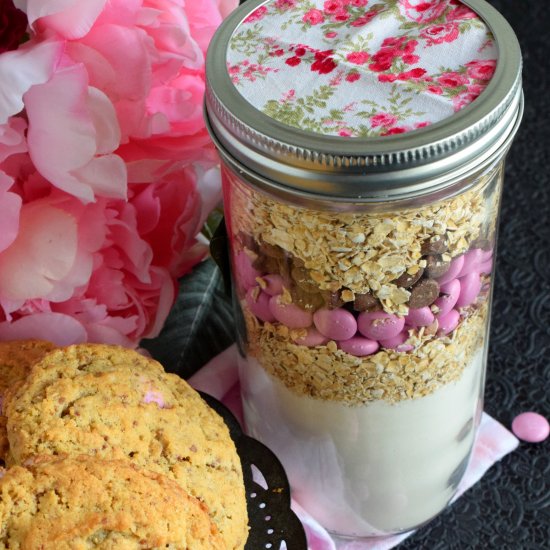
200	324
212	223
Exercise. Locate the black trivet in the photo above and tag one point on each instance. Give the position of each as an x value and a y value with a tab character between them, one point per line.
271	519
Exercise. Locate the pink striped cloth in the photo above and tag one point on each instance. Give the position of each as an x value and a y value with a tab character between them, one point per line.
220	379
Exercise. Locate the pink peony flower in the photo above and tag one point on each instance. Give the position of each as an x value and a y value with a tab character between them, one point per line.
106	170
481	70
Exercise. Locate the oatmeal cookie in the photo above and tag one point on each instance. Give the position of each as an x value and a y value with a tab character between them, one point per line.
82	502
16	360
113	403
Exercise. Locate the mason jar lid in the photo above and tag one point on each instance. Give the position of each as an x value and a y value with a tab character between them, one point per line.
362	100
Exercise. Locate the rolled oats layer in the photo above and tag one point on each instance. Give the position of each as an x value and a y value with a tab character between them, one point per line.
328	373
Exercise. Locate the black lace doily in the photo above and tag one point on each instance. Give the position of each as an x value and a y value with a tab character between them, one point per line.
272	522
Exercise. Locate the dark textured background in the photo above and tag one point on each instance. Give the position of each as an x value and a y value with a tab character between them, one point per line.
510	508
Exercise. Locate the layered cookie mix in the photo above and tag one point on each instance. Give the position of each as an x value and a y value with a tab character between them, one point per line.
364	340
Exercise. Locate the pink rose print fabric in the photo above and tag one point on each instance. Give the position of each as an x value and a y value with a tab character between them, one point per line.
361	68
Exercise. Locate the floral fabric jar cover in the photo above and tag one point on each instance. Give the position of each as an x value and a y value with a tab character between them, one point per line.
361	67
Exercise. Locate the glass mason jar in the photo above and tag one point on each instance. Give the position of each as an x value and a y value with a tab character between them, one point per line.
362	183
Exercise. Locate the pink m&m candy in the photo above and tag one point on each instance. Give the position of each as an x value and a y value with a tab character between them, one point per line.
312	338
421	317
359	346
470	286
290	314
486	255
273	284
397	342
258	303
378	325
336	324
450	292
448	322
454	269
244	271
486	267
531	427
472	260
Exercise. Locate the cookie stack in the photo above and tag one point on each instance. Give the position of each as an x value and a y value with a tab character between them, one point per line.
104	449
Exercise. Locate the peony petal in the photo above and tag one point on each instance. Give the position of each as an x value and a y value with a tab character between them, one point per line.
43	252
108	335
104	120
173	37
72	19
60	329
226	6
10	206
22	69
12	138
164	300
204	18
63	140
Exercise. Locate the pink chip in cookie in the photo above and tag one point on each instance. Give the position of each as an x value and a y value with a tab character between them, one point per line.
154	396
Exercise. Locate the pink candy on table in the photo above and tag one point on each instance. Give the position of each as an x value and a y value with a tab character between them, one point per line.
290	314
259	304
336	324
451	292
470	286
448	322
454	269
312	338
245	272
378	325
531	427
273	284
359	346
421	317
